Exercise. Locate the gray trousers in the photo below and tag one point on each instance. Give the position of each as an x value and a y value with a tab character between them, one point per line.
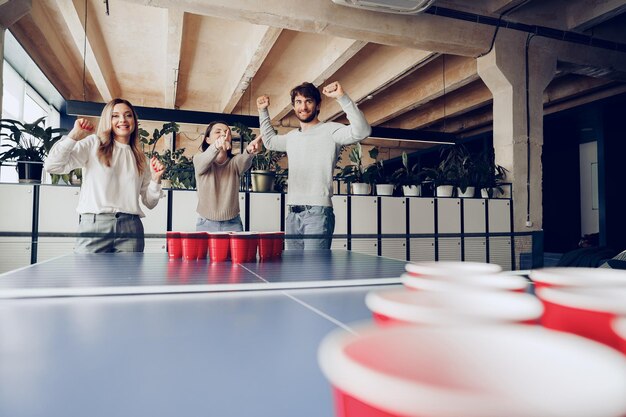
109	232
318	222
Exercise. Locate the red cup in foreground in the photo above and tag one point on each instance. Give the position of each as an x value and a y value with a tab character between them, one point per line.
619	327
266	245
203	244
451	268
496	282
588	312
219	246
242	246
577	277
399	306
476	371
174	245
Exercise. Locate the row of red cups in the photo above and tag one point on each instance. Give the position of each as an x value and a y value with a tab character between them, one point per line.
450	343
223	246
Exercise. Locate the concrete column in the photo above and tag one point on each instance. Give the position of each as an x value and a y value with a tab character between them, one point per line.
504	72
2	29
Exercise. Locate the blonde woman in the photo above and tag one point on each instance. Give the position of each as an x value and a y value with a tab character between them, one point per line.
116	174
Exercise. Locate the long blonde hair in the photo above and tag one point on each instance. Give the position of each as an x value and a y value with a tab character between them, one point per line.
107	140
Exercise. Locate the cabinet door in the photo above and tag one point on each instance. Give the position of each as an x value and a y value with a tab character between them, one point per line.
421	215
475	249
242	210
474	216
184	214
393	221
17	216
500	252
364	221
499	216
155	221
422	249
449	249
14	253
449	215
53	247
265	212
394	248
57	210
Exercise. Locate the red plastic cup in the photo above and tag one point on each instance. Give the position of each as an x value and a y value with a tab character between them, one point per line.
203	244
619	327
279	242
492	282
190	246
174	245
252	248
242	245
440	372
219	246
577	277
267	245
399	306
451	268
587	312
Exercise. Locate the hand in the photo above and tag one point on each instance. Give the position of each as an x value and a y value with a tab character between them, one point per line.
222	144
157	169
333	90
263	102
82	128
255	146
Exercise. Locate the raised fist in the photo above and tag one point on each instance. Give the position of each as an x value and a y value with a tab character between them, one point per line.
82	128
263	102
333	90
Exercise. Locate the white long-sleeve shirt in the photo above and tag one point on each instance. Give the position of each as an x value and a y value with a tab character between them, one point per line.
105	189
312	153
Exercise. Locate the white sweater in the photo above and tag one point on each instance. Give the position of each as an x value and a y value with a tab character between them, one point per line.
312	154
104	189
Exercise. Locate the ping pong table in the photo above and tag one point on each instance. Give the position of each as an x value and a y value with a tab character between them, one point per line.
138	334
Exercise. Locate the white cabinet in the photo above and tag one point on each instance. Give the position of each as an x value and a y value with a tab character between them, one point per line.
57	209
449	215
265	209
14	253
421	221
184	216
475	249
449	249
499	216
340	208
500	252
364	221
474	216
18	215
243	210
393	221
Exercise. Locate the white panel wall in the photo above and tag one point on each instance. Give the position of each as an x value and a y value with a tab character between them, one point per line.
184	213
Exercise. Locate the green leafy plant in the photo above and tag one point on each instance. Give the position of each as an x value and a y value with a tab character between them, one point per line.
407	175
375	173
146	139
27	141
75	174
356	172
453	169
266	160
487	174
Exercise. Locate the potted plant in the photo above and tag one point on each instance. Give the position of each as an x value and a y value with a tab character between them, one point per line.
29	144
353	174
408	177
488	176
265	164
445	175
375	175
74	177
179	172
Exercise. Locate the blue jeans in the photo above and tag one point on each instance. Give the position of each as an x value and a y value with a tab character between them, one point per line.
318	221
232	225
109	232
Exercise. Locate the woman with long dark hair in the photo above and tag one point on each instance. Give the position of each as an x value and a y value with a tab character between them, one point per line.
218	173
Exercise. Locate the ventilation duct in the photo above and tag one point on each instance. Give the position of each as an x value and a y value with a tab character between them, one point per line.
389	6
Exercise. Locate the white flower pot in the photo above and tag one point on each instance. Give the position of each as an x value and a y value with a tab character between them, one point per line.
166	183
412	190
384	189
469	192
360	188
445	191
484	193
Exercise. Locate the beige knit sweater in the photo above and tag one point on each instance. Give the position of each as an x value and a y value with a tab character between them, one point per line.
218	184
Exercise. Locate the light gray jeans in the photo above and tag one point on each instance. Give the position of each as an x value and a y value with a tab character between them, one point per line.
232	225
109	232
316	221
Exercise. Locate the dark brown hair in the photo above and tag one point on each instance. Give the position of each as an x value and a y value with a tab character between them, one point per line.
306	90
204	145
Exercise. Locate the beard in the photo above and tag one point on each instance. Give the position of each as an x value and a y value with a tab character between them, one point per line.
310	118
